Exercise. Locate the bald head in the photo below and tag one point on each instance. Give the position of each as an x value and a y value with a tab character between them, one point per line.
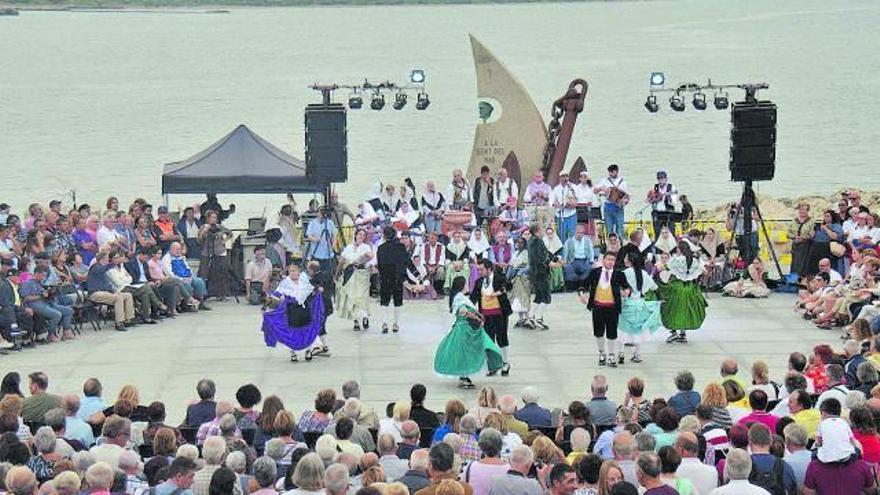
624	446
369	460
687	444
21	481
729	367
419	460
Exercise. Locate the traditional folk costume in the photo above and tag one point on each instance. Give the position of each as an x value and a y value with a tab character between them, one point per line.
800	249
640	312
434	258
418	283
457	255
490	296
297	319
684	306
459	193
712	248
466	350
557	275
521	293
392	260
539	275
478	247
353	296
433	204
604	302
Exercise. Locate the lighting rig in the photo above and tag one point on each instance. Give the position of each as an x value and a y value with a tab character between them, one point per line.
375	92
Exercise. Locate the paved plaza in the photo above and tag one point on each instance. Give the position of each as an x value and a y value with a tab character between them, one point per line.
165	361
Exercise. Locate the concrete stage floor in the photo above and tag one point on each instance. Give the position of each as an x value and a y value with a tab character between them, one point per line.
165	361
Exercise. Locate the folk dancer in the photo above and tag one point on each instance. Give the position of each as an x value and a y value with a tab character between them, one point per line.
537	195
640	312
563	200
458	191
586	200
579	256
326	290
603	297
214	266
663	198
296	320
490	297
614	189
518	274
353	297
539	275
392	261
684	306
484	196
433	204
467	347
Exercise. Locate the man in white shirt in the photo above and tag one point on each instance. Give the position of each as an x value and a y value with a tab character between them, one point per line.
613	210
704	477
834	277
662	198
116	435
107	234
505	187
433	203
563	200
738	467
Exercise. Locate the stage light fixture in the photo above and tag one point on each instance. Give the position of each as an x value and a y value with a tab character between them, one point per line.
355	101
721	102
417	76
399	101
422	101
658	79
651	104
677	103
699	101
378	101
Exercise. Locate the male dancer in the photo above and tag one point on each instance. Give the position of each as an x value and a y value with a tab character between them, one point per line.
392	262
662	199
603	299
490	296
539	275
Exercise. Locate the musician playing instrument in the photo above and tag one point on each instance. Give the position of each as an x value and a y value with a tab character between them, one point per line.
564	200
614	189
664	202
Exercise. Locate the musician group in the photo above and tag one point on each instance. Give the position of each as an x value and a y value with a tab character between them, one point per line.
527	241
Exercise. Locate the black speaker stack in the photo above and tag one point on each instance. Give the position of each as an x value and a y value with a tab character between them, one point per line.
753	141
326	143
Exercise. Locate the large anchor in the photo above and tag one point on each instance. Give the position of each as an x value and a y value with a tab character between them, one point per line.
559	133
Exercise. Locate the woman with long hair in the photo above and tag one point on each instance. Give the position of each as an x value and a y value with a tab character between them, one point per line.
467	348
684	305
640	310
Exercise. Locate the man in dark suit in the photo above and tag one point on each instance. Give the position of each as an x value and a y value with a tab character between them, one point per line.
14	321
490	296
392	261
603	298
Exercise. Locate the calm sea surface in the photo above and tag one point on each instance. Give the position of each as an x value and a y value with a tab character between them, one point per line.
98	102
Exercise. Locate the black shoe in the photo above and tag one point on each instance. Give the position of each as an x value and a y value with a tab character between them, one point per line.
505	370
682	339
357	326
612	363
384	328
121	327
540	324
395	328
309	355
492	373
129	324
628	344
621	358
530	324
149	321
636	358
293	358
673	337
366	323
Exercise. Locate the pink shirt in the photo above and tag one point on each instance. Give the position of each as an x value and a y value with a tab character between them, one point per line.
157	272
764	418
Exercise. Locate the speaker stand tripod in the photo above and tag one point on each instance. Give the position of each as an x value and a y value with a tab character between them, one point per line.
747	251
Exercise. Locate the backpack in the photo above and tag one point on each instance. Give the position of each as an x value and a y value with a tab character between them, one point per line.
773	481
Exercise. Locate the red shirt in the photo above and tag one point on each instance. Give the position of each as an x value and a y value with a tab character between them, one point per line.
870	446
817	375
762	417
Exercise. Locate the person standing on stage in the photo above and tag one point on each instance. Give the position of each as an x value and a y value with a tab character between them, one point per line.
484	195
684	306
392	260
564	201
663	198
214	266
490	296
323	282
616	195
603	298
433	203
539	275
586	200
458	191
640	312
353	298
537	196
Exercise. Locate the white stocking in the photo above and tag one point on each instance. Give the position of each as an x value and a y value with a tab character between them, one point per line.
600	344
397	314
638	349
504	354
612	347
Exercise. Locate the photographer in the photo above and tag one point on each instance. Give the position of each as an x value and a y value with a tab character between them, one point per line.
321	234
214	266
748	248
36	297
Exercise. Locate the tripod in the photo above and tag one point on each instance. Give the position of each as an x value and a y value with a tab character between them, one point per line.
747	250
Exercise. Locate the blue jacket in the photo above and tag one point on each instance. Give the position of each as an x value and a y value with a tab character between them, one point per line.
97	280
685	403
534	415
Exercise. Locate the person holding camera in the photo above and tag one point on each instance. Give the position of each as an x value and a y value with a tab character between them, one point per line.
39	299
214	266
321	234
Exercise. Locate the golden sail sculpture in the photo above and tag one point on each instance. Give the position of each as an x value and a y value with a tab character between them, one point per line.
511	131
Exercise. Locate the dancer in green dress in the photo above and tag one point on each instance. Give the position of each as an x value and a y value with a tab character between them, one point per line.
467	348
684	306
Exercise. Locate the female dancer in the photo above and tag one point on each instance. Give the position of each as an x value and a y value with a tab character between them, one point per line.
684	306
297	319
518	274
466	348
641	311
353	298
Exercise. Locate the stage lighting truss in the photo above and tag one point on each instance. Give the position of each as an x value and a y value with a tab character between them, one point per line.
698	92
376	92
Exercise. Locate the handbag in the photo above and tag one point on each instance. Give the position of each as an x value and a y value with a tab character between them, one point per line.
837	249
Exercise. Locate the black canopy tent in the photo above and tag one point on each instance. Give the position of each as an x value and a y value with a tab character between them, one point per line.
241	162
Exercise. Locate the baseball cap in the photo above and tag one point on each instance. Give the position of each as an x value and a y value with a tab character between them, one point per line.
163	209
